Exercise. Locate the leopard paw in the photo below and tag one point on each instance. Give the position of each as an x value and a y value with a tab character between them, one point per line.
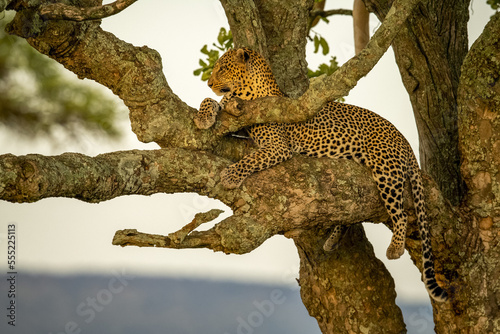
229	178
395	251
207	113
333	241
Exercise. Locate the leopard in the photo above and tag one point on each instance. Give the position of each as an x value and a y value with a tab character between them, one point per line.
338	130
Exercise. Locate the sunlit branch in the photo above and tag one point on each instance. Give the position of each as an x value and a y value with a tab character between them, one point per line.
33	177
60	11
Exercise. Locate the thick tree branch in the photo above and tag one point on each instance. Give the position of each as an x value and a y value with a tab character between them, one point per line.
317	196
323	89
33	177
61	11
246	25
320	192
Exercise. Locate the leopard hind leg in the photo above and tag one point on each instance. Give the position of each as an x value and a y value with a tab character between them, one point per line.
390	186
332	243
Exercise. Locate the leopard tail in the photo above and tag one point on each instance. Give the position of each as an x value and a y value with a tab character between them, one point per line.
429	276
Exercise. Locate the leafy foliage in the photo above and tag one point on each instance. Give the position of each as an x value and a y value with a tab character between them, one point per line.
225	42
320	41
38	99
495	4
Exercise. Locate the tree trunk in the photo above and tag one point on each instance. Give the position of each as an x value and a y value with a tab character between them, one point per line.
338	288
456	114
479	140
348	290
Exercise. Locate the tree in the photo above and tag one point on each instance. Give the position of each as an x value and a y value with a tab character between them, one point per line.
56	104
455	97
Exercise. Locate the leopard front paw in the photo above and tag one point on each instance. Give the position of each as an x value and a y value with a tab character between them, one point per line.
230	179
395	251
207	113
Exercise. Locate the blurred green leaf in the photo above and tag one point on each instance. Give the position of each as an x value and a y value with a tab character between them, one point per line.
324	46
495	4
316	43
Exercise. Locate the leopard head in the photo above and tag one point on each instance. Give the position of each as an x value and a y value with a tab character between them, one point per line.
243	73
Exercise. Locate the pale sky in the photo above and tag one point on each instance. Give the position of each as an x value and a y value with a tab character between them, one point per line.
65	236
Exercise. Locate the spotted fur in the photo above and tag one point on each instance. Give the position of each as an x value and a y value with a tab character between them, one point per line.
337	131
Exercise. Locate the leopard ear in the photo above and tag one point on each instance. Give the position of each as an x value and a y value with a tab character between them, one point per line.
242	56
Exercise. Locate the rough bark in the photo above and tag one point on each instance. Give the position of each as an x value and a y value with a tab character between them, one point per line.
357	310
479	129
430	51
61	11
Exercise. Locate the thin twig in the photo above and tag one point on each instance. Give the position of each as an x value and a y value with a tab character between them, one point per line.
326	13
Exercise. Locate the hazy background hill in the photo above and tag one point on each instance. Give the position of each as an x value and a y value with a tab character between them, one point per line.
121	304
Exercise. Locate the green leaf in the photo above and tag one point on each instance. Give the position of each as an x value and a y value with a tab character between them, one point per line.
225	42
222	36
316	43
324	46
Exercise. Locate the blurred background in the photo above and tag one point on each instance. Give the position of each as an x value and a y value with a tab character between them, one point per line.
70	279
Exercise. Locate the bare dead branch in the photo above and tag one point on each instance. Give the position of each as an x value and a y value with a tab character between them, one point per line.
132	237
61	11
200	218
236	235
